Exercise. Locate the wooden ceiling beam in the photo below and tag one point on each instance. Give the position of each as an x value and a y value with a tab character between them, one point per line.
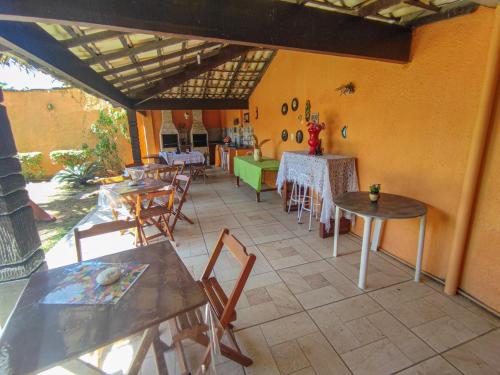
262	23
159	59
372	9
32	42
193	104
91	38
141	48
194	70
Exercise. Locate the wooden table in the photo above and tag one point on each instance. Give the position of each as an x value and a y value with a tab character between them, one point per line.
389	206
40	336
256	173
124	192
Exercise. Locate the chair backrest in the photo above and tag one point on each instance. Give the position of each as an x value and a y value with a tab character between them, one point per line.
180	165
153	204
167	174
140	164
213	289
182	183
98	229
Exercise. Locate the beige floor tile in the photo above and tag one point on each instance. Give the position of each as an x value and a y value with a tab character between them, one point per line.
288	328
190	246
196	265
324	246
184	230
254	345
240	234
355	307
254	218
217	223
318	283
444	333
246	206
268	232
288	253
479	356
435	365
289	357
321	355
380	273
229	268
207	211
305	371
380	357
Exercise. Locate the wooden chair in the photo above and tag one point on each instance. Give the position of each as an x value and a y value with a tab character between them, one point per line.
190	325
181	183
154	209
167	174
97	229
196	170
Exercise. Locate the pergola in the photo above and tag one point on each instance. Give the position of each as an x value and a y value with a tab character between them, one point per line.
170	54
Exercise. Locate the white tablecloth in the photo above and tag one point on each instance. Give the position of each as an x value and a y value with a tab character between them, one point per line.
193	157
330	175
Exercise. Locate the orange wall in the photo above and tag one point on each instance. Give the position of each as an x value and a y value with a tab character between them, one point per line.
409	125
66	126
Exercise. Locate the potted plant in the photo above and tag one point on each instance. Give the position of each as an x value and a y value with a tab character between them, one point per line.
257	153
374	192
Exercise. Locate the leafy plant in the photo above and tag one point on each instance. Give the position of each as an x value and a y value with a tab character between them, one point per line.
256	141
69	158
31	164
77	175
374	189
108	128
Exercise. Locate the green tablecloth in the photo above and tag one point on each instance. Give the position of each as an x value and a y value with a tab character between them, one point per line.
250	170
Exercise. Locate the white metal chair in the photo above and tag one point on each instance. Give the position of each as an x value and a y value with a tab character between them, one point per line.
299	189
224	156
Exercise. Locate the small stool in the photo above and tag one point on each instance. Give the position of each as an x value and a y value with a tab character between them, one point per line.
224	154
311	200
297	196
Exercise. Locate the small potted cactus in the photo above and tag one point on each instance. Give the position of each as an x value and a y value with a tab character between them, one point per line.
374	192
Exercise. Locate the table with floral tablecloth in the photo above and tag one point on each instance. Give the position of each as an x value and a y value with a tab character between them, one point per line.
330	175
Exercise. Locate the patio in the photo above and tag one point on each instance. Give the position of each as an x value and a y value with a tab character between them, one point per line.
301	311
263	257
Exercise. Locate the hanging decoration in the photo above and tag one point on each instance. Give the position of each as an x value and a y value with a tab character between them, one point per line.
256	113
295	104
307	114
284	135
284	109
299	136
347	89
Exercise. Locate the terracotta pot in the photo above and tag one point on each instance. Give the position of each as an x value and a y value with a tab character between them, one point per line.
374	197
257	154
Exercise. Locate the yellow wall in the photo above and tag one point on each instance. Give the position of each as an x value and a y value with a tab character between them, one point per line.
66	126
409	126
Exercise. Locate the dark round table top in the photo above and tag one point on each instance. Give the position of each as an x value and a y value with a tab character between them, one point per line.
389	206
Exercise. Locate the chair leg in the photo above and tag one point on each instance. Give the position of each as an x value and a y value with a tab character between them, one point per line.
311	207
291	197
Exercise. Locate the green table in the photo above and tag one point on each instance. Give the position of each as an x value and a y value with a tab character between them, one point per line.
251	171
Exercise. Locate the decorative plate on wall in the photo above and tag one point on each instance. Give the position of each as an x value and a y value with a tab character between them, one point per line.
284	109
284	135
295	104
299	136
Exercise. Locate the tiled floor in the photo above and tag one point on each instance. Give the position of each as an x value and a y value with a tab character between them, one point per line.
301	312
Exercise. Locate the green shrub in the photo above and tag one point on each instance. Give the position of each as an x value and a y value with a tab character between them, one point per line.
31	164
69	158
77	174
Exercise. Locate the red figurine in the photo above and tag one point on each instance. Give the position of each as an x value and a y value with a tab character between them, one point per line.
314	129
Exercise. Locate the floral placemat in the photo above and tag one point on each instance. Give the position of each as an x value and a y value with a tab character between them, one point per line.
80	287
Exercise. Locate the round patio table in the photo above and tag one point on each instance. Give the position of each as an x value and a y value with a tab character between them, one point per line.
389	206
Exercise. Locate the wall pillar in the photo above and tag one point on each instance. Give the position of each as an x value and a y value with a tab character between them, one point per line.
20	253
134	135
